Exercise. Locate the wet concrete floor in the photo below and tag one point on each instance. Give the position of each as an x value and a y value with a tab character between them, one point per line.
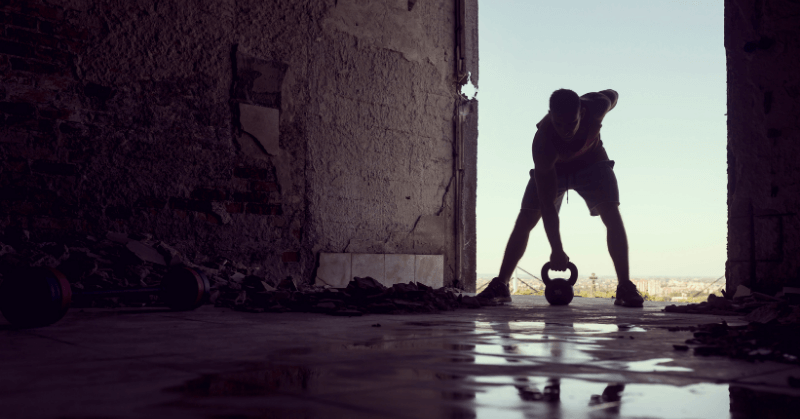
522	360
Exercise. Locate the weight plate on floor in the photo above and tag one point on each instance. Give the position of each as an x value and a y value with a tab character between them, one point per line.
35	297
184	288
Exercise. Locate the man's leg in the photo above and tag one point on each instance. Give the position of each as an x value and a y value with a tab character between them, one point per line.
518	242
616	238
497	290
627	294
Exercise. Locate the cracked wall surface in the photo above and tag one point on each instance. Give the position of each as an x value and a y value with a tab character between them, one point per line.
264	132
763	57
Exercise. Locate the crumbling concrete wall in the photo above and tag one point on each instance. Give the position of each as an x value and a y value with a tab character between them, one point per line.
264	132
762	40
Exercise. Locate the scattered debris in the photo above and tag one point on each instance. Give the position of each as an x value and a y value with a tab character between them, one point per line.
774	340
121	260
764	314
773	332
117	261
682	328
361	296
741	291
709	350
791	294
759	307
715	305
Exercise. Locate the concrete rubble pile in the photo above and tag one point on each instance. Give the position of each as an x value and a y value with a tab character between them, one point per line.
362	296
772	332
721	306
89	263
776	340
138	260
744	302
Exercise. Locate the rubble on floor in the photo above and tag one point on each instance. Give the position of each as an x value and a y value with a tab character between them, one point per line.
772	332
362	295
122	261
754	304
118	261
755	341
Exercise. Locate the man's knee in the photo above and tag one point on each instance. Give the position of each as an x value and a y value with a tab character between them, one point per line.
609	213
527	219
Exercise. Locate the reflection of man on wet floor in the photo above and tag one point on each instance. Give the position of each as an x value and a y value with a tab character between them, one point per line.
608	401
568	154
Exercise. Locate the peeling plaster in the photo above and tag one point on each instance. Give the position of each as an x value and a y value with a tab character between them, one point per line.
263	125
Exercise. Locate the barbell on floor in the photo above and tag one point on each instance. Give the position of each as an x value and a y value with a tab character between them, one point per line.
35	297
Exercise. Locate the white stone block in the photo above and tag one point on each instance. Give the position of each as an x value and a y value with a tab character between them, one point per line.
367	264
334	269
399	269
429	270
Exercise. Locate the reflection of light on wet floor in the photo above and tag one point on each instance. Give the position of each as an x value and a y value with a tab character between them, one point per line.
489	360
499	397
557	343
563	338
702	400
605	328
650	365
547	351
557	328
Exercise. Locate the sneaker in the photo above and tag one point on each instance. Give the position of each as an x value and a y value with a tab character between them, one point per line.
628	295
496	291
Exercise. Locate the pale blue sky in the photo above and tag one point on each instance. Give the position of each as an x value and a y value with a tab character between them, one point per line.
666	59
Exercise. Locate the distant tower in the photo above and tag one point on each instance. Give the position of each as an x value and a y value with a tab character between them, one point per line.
593	277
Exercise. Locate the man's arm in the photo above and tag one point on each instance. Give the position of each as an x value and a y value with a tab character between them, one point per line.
599	104
544	157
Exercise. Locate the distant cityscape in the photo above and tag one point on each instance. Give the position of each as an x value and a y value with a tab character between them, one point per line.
678	289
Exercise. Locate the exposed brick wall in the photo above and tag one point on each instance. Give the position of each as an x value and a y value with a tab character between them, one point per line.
763	143
88	152
40	103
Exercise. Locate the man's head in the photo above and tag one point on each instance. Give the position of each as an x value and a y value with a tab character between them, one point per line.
566	112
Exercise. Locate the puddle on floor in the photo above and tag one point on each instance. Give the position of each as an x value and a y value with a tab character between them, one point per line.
496	396
527	397
540	342
563	337
407	373
570	398
534	343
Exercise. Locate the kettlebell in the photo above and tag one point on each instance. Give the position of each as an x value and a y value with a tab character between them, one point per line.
558	291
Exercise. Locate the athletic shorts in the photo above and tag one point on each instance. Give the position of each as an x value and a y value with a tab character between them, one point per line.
596	184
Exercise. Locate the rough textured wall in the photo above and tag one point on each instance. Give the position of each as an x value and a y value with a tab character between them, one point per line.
469	121
762	39
467	148
261	131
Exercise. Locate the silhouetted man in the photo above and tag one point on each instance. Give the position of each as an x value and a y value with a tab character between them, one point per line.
568	154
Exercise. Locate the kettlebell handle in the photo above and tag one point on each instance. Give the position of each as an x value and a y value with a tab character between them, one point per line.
573	273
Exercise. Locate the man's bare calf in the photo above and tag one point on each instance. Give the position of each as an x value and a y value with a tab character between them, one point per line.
518	242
